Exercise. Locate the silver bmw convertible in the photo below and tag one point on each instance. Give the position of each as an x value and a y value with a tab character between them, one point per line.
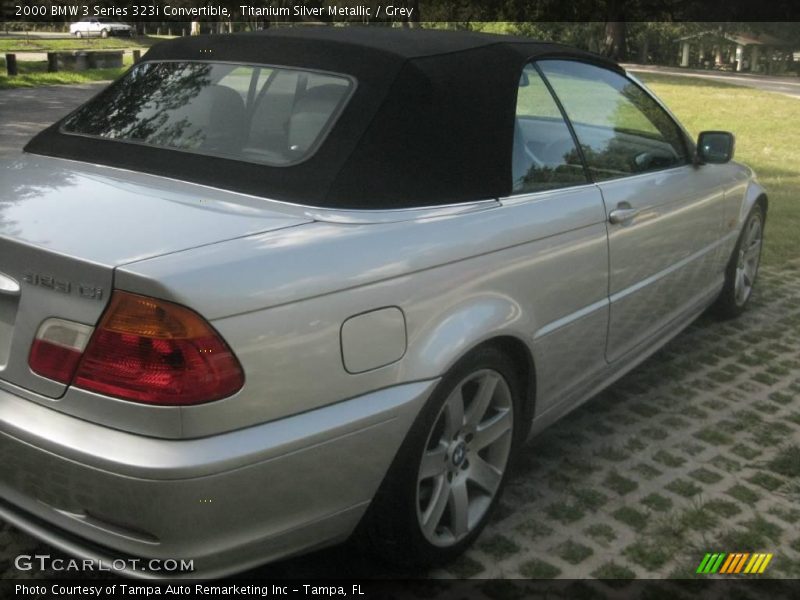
270	290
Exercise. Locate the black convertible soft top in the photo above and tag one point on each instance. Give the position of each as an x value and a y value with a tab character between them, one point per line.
431	121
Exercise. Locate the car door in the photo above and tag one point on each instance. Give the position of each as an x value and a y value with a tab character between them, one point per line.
567	281
665	216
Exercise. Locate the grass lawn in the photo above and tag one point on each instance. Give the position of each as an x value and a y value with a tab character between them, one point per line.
767	129
45	45
34	73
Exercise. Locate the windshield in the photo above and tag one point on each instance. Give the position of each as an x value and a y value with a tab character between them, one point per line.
269	115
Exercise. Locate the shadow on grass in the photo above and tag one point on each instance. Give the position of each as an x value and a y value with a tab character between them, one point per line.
769	172
687	80
34	74
73	44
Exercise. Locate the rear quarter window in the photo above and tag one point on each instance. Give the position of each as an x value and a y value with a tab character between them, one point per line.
268	115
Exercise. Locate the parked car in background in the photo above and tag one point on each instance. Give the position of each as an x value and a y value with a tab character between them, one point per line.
267	290
99	27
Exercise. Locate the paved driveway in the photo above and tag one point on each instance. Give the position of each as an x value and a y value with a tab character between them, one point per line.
24	112
696	451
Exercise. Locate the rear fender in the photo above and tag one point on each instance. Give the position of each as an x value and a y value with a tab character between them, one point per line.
463	328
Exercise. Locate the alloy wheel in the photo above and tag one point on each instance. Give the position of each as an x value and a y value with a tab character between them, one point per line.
748	259
465	457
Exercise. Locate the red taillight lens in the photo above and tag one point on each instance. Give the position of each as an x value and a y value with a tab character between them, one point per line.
156	352
57	349
53	361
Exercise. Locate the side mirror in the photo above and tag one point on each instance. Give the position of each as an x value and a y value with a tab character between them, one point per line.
715	147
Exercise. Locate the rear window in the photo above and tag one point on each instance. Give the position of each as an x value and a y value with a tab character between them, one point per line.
262	114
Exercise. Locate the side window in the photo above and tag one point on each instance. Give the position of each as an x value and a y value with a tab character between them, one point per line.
621	129
544	155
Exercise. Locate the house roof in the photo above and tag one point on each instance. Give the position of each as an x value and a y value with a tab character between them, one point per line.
745	39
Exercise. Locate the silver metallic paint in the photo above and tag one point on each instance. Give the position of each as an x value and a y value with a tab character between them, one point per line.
589	300
145	497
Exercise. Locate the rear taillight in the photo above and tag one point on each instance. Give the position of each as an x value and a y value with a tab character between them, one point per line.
57	348
156	352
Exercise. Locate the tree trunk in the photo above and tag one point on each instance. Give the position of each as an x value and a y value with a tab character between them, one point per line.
644	49
415	16
11	64
614	46
413	21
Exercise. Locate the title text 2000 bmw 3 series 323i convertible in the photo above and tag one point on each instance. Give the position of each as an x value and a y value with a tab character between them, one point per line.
268	290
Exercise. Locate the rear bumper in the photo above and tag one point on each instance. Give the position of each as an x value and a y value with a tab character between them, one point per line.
226	502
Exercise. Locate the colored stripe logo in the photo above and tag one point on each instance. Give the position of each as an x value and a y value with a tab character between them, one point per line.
734	563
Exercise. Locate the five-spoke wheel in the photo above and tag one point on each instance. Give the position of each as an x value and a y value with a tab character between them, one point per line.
449	473
748	258
740	275
465	457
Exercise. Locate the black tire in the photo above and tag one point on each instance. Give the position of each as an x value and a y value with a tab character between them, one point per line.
104	33
732	301
78	34
392	526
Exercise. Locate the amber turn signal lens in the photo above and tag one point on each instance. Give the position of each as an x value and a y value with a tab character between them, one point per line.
157	352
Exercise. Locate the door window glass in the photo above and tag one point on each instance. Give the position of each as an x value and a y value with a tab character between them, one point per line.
621	129
544	155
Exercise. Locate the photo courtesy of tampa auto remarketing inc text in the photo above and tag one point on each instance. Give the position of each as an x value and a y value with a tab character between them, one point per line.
416	299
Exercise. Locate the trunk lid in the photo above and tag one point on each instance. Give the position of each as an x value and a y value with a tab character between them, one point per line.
65	226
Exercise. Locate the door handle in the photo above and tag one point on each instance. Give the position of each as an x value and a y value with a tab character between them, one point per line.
622	213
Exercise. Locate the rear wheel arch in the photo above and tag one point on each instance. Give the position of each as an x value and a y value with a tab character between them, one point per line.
519	352
391	527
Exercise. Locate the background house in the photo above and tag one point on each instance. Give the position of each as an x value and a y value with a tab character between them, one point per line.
736	51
